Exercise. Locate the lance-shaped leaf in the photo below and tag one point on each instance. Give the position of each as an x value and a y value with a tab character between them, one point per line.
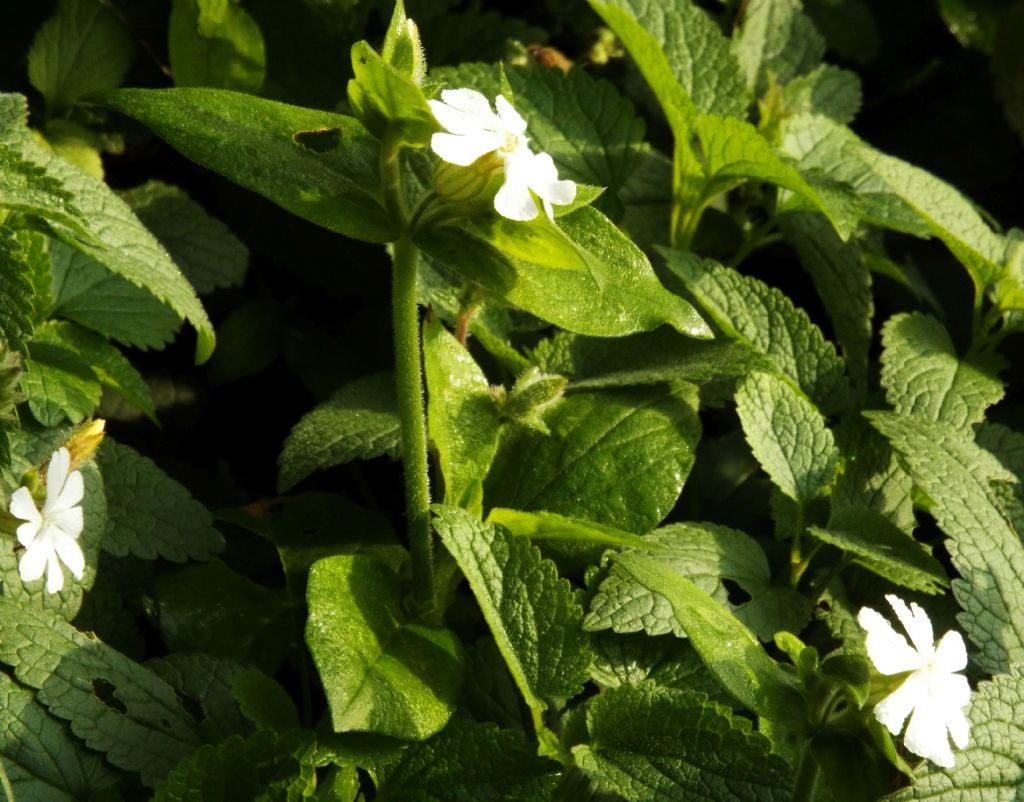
317	165
470	763
114	704
381	673
726	646
653	744
775	37
924	377
530	610
985	549
16	294
59	385
552	526
387	102
788	436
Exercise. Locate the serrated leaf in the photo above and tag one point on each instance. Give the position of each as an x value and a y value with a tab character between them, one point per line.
102	226
59	385
653	744
82	48
551	526
531	612
924	377
985	550
42	760
746	309
489	694
268	147
617	457
359	421
115	705
150	514
266	766
215	43
776	38
828	90
462	416
990	767
381	673
16	294
470	763
209	255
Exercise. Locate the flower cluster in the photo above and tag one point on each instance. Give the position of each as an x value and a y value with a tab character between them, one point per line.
475	130
933	695
50	536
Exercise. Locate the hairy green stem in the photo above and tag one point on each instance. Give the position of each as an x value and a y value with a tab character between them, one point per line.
409	388
806	777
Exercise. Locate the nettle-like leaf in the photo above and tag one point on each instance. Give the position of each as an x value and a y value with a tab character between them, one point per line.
990	768
828	90
470	763
652	744
551	526
315	164
706	554
984	548
59	385
266	765
100	224
359	421
81	49
776	38
151	515
924	377
746	309
17	294
212	43
617	457
463	416
530	610
788	435
209	255
381	673
114	704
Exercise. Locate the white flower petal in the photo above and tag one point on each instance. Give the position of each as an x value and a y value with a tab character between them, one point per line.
459	122
927	736
515	202
468	101
959	727
893	710
33	562
949	691
464	150
71	554
71	494
54	574
23	506
544	181
69	522
916	622
511	119
27	533
951	653
888	650
57	472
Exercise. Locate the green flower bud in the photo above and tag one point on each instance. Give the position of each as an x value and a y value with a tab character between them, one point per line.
534	394
479	181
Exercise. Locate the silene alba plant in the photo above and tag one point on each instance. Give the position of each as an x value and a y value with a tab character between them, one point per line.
657	528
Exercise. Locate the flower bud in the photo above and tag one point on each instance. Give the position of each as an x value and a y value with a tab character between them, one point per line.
85	441
534	394
463	184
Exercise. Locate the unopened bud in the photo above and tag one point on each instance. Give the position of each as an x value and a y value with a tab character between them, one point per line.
534	394
402	47
85	441
479	180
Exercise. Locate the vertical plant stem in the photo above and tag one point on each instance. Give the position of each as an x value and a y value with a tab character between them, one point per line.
5	781
806	777
796	566
409	387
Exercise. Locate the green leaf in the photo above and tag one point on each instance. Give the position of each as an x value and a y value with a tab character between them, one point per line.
43	761
985	550
82	48
263	701
59	385
470	763
746	309
114	704
776	38
652	744
828	90
17	294
924	377
617	293
381	673
551	526
462	415
387	102
990	768
102	226
880	546
150	514
209	255
706	554
359	421
315	164
265	766
531	612
87	293
210	608
616	457
215	43
788	436
726	646
249	341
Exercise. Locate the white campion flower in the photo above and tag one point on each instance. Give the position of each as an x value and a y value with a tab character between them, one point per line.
933	694
473	130
50	536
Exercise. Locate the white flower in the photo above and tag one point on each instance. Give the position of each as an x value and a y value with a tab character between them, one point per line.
933	695
475	130
51	536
